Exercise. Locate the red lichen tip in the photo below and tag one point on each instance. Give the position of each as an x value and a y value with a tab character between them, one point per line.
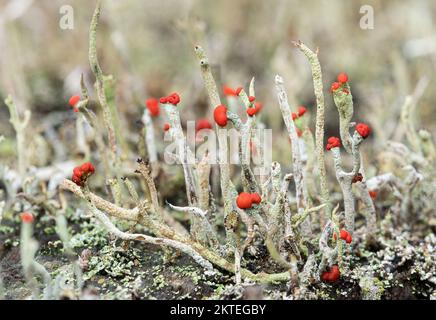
255	198
166	127
26	217
163	100
74	100
372	194
335	86
301	110
294	116
203	124
363	129
220	115
244	200
82	173
238	90
228	91
332	275
357	178
251	98
173	99
251	111
333	142
343	77
153	106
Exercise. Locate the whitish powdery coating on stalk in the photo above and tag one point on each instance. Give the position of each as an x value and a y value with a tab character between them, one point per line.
292	131
319	131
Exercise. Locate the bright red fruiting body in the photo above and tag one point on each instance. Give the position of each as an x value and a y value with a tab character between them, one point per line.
357	178
203	124
173	99
251	111
372	194
81	174
294	116
363	129
166	127
345	91
238	90
254	110
228	91
255	198
220	115
73	100
153	106
26	217
251	98
332	275
335	86
244	201
301	110
342	77
343	234
333	142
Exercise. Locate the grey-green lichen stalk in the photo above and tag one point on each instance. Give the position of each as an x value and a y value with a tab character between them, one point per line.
319	131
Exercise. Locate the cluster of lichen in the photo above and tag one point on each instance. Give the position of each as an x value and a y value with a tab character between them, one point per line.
290	237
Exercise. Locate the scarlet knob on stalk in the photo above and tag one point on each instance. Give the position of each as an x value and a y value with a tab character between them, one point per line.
344	235
82	173
26	217
251	98
335	86
166	127
73	101
301	110
251	112
173	99
332	275
244	201
343	77
153	106
220	115
238	90
203	124
254	110
372	194
294	116
357	178
333	142
363	129
228	91
255	198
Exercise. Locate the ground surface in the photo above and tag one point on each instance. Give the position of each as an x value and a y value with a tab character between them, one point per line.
400	266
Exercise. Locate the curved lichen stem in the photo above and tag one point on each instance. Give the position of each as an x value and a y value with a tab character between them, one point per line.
292	131
319	131
227	188
163	231
98	73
